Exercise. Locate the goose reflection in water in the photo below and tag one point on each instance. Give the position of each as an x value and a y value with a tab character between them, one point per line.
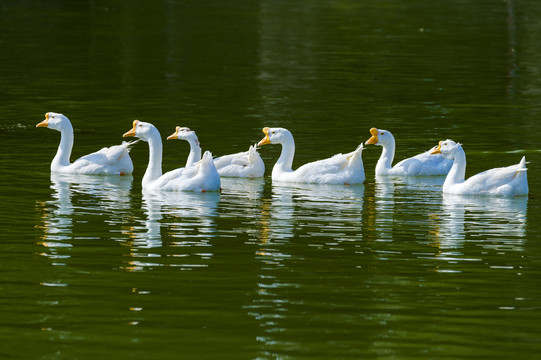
410	185
182	213
101	194
381	217
243	199
187	218
492	222
310	211
243	189
318	208
397	198
105	193
307	215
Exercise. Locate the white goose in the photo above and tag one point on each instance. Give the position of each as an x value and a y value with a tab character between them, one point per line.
200	176
510	180
243	164
184	133
420	165
114	160
339	169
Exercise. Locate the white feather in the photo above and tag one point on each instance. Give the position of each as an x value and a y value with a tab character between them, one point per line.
339	169
509	180
114	160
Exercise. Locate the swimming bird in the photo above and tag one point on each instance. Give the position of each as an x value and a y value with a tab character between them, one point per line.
418	165
114	160
243	164
339	169
510	180
200	176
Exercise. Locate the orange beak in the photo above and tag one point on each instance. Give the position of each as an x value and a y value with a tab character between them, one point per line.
132	131
174	135
266	139
374	138
44	123
437	150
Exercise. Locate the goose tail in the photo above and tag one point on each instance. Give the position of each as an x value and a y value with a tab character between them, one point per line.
252	152
130	144
355	156
522	164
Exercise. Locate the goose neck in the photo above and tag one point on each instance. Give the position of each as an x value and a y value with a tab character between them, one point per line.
386	159
285	161
195	152
458	170
154	168
62	157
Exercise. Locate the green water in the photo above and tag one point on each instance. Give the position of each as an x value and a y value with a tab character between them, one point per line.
392	269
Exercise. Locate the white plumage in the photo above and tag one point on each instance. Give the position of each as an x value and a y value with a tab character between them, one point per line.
420	165
247	164
339	169
114	160
199	176
510	180
243	164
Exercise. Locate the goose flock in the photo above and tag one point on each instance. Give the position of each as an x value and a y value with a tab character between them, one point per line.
202	172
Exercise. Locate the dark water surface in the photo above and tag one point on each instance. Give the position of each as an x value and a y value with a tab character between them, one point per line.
90	267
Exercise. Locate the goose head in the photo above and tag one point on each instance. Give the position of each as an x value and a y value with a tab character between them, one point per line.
142	130
184	133
275	136
380	137
55	121
448	148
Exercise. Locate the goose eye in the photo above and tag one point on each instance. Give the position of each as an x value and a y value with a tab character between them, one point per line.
274	132
381	133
